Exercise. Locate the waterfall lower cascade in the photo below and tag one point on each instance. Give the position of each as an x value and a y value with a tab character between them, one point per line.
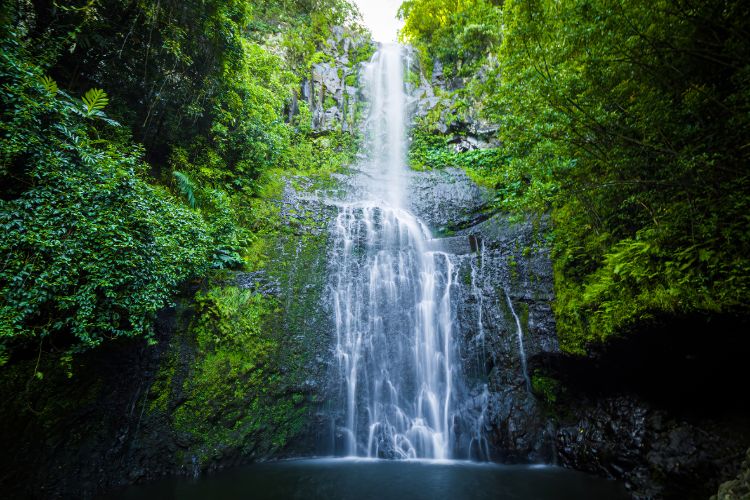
391	295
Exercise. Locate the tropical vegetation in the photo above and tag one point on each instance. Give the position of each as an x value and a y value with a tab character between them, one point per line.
628	123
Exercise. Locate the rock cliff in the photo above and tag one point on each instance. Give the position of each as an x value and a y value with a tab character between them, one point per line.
654	409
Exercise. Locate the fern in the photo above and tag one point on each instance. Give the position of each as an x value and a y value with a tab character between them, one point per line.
95	100
49	85
186	187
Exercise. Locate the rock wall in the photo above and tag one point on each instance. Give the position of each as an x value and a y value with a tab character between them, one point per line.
332	93
659	410
433	101
505	273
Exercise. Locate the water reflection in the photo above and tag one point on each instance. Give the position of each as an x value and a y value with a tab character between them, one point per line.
363	479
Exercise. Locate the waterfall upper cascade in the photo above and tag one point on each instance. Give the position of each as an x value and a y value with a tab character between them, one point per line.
391	294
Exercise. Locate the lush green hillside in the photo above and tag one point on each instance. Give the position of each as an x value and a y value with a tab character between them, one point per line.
140	143
628	122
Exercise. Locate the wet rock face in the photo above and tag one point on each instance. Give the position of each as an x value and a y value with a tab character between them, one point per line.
511	286
505	279
300	264
657	409
426	96
75	437
331	92
654	453
652	413
446	199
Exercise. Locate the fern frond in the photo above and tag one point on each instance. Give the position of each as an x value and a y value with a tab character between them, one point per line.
49	85
186	187
95	100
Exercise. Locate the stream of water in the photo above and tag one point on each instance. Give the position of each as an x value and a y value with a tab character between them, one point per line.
392	287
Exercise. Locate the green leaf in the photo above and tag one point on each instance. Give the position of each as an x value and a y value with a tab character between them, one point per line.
187	187
95	100
49	84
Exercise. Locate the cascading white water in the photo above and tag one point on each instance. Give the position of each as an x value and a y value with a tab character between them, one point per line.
519	334
477	269
391	294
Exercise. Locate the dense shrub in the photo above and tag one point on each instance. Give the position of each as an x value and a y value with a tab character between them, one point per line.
90	249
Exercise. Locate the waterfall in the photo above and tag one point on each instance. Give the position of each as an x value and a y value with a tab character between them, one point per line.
477	271
519	334
391	291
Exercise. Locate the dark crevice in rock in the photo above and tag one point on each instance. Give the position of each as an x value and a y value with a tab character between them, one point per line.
482	213
688	365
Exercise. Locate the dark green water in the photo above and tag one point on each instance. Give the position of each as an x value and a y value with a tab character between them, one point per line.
383	479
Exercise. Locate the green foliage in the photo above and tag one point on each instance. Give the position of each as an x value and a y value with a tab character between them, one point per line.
194	75
546	387
458	33
93	246
90	249
629	123
187	188
95	100
431	150
50	86
640	160
236	396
